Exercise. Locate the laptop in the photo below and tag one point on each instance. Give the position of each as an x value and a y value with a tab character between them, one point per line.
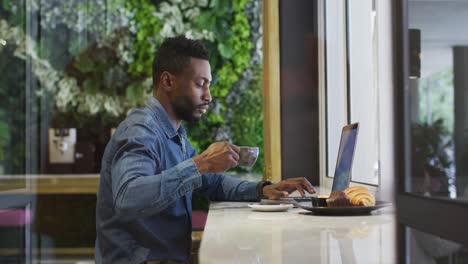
344	163
344	160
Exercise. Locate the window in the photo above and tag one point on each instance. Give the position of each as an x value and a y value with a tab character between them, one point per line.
353	82
363	88
336	78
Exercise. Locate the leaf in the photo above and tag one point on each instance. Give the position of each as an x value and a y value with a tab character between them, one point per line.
135	93
226	51
6	4
91	86
85	64
205	19
214	3
4	132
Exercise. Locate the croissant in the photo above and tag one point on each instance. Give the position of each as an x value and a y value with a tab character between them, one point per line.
360	196
338	199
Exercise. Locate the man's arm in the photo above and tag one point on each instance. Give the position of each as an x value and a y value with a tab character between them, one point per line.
219	187
137	191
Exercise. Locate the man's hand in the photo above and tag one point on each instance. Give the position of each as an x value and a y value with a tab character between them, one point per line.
218	157
282	189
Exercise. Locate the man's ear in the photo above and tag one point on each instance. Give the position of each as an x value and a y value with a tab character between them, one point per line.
167	81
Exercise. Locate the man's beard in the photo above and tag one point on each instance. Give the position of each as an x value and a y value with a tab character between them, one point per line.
185	108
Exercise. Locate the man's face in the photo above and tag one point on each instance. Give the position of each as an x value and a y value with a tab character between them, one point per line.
191	98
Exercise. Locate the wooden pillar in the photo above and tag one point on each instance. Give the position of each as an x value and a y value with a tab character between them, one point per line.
271	91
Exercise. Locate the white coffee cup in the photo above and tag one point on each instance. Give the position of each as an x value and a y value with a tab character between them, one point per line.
248	156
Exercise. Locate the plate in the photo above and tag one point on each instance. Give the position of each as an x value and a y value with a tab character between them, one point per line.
345	210
270	207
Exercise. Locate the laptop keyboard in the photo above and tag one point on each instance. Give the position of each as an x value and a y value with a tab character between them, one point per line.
302	199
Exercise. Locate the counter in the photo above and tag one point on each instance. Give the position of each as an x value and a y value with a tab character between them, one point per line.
236	234
55	202
49	184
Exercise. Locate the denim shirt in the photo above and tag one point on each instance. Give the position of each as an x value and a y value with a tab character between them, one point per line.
147	178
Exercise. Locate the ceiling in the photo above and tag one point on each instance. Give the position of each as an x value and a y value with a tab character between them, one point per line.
443	24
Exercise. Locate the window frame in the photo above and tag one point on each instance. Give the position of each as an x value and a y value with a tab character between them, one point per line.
326	177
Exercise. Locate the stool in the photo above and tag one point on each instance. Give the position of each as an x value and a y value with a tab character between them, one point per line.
198	224
17	218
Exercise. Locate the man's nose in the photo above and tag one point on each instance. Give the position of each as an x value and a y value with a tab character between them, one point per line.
207	95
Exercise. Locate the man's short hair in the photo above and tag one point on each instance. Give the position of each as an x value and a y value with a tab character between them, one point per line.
174	55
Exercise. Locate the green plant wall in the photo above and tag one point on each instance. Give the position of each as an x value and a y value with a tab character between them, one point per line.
94	61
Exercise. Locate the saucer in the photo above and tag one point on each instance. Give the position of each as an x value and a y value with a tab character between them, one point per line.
270	207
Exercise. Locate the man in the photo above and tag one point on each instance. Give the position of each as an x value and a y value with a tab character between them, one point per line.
149	169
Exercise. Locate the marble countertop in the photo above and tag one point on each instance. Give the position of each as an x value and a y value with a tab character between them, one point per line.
236	234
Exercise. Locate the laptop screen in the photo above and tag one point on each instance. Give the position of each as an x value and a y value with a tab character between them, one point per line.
345	157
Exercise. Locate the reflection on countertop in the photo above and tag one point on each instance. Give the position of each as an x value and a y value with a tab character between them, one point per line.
236	234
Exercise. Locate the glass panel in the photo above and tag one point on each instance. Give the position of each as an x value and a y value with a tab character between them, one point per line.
438	98
13	92
70	72
427	248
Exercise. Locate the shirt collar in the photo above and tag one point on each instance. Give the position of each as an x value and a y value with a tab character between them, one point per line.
163	117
